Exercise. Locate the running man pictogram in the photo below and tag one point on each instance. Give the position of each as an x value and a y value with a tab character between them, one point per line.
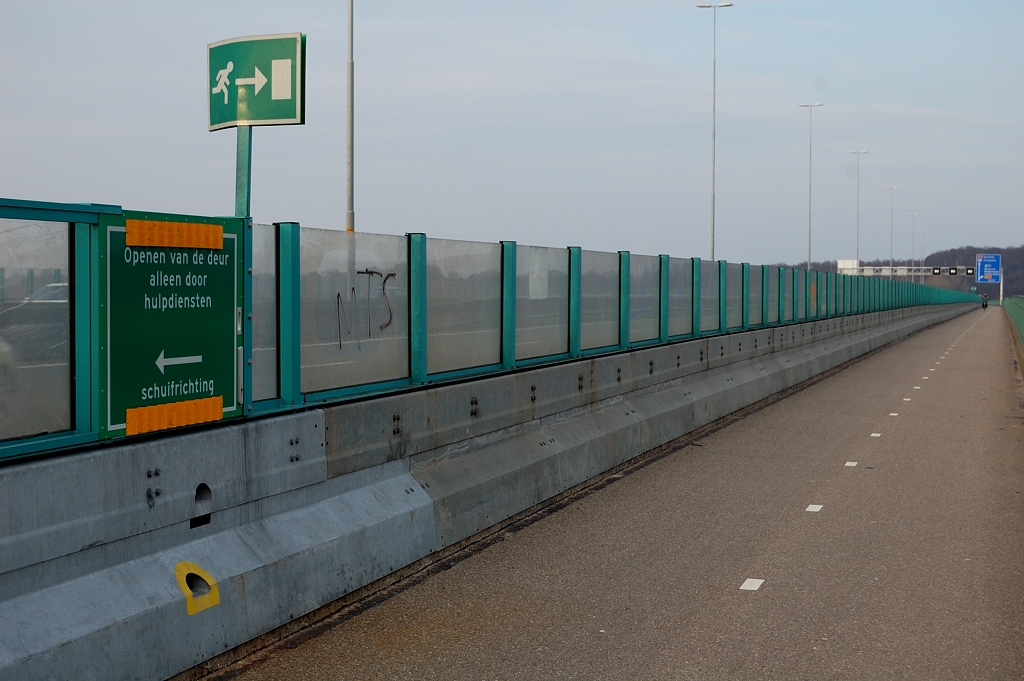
222	81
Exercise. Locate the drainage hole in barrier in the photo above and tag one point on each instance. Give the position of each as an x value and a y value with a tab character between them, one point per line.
199	521
203	493
197	585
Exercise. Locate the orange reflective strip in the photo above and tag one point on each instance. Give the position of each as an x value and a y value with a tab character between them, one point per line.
173	234
173	415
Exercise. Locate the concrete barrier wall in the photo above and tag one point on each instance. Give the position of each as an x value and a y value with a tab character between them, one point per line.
290	513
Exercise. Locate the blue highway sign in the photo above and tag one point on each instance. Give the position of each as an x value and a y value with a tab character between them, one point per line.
990	266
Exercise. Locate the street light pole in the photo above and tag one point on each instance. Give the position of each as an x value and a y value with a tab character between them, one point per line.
810	150
892	192
858	153
350	216
714	96
913	232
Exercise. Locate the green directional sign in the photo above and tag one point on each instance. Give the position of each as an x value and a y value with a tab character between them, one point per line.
257	80
170	322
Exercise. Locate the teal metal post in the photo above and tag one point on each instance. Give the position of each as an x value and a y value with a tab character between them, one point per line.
765	270
746	295
795	276
247	289
243	171
830	294
808	275
695	297
82	387
723	297
418	308
575	300
623	300
289	318
781	298
508	304
96	238
819	294
663	292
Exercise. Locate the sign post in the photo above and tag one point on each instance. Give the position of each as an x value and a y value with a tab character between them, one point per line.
256	80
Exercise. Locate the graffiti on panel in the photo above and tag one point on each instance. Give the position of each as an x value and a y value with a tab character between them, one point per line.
351	316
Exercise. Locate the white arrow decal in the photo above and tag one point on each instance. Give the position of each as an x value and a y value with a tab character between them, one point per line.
162	361
259	80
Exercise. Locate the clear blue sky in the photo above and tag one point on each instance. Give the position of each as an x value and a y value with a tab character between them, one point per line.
549	122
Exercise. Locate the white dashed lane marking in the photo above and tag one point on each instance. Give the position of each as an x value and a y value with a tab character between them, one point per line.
893	414
814	508
876	435
851	463
752	584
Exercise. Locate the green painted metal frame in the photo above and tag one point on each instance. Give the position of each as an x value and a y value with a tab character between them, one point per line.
247	317
243	171
663	292
508	304
575	300
623	300
289	348
782	296
806	290
46	211
418	308
765	276
83	245
842	295
723	297
695	302
745	296
289	315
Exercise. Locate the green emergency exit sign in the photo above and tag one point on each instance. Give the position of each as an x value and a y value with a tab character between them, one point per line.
170	322
257	80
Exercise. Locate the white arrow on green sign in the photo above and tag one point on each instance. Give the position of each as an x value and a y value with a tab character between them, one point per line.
259	80
162	361
237	75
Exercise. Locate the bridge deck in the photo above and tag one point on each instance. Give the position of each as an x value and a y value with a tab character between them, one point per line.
911	569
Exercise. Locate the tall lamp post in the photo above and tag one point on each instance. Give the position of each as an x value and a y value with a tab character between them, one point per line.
714	95
913	231
859	154
350	216
810	150
892	192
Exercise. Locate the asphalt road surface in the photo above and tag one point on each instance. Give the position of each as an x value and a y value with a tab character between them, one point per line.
912	567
